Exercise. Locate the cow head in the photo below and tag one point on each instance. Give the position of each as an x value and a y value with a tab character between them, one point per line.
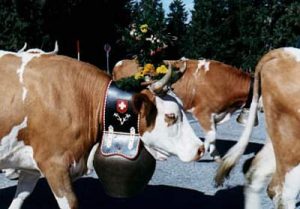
164	127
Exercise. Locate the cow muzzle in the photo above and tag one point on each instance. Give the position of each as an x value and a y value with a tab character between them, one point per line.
199	153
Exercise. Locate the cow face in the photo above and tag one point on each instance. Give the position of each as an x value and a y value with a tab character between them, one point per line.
165	129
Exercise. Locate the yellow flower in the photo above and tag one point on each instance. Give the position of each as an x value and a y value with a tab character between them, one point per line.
149	69
144	28
162	69
138	75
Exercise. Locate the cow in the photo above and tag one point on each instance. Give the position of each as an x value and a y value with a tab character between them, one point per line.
51	121
277	81
209	89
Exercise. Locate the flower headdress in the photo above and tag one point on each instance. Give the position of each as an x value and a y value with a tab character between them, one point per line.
148	47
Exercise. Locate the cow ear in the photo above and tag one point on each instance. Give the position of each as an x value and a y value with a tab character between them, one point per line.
145	106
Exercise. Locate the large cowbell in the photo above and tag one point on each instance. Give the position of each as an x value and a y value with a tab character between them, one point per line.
122	163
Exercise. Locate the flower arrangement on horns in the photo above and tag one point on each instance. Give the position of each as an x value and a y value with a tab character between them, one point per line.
148	47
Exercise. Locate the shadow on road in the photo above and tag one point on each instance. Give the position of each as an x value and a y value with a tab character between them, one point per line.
223	145
91	196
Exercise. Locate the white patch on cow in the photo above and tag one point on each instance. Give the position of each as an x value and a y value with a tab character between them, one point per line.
24	93
14	153
294	51
63	202
177	139
120	63
202	63
291	187
26	58
259	175
210	136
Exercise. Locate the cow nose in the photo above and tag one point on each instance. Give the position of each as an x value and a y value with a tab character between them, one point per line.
200	152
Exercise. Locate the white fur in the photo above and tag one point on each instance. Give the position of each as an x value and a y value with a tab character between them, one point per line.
120	63
291	187
177	139
63	202
259	175
294	51
14	153
24	94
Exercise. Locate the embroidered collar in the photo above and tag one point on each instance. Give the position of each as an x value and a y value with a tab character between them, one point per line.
121	124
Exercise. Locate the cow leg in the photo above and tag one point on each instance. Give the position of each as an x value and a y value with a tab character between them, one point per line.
59	180
208	125
291	188
259	175
284	191
26	184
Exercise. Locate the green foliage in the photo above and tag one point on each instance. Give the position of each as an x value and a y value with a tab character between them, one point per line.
177	26
239	32
11	27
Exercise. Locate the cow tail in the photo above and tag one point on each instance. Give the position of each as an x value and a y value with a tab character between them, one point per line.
235	152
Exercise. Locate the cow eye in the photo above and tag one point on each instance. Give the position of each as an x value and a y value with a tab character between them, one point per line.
170	118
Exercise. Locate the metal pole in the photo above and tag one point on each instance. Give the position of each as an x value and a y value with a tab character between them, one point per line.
107	62
107	49
78	49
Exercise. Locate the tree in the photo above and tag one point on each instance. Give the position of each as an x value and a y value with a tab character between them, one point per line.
177	26
12	27
239	32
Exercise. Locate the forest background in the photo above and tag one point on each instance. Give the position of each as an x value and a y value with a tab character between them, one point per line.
236	32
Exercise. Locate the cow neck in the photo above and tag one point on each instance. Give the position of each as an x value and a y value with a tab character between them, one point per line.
120	123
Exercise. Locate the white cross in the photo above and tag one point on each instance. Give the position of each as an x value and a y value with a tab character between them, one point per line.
122	105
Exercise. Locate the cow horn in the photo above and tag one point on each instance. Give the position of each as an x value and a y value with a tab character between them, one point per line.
158	85
23	48
55	49
183	67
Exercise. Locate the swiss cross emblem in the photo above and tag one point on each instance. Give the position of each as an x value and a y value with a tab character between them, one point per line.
122	105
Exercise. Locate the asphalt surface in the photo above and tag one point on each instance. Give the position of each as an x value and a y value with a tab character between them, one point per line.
174	185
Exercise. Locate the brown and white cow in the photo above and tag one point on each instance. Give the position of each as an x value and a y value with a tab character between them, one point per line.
51	118
209	89
277	77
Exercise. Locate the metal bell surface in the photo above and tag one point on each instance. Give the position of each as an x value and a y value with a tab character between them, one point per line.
122	177
243	117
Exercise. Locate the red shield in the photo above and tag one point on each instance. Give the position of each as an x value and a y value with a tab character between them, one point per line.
122	105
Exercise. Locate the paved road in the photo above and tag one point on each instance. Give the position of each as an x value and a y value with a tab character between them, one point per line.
174	185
